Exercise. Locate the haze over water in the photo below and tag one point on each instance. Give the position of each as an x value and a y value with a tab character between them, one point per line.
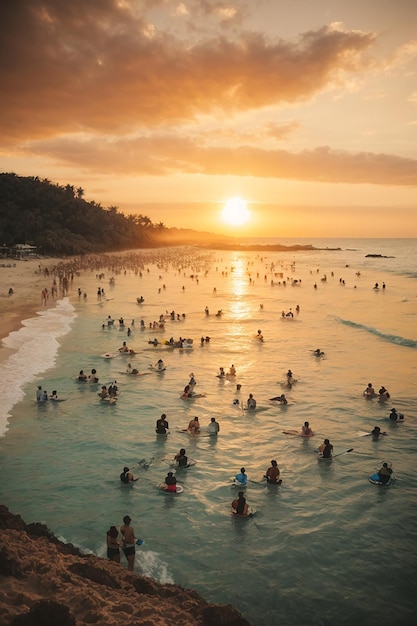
326	547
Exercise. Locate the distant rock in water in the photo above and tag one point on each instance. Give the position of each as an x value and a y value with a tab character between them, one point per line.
379	256
45	582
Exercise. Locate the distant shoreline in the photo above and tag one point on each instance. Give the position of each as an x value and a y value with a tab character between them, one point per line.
263	247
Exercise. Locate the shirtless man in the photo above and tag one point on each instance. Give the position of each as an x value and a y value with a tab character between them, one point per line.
306	430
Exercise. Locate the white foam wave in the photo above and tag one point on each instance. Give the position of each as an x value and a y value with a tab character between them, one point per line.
35	347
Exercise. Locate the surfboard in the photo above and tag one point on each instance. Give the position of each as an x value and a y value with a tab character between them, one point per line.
162	486
291	432
374	479
251	513
110	355
236	483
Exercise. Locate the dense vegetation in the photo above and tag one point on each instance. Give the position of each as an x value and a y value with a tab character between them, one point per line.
58	221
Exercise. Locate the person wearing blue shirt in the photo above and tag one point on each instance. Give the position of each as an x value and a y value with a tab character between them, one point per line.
242	478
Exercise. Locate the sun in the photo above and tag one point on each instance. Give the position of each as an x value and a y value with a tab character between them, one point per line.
235	212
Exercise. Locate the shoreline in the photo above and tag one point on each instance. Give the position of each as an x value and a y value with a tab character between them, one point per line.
27	282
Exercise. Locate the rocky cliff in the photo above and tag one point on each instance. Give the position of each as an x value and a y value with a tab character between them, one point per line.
44	582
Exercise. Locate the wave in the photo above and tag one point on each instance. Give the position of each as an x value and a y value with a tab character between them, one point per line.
35	348
399	341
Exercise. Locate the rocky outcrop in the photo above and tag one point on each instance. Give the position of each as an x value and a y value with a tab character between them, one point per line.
44	582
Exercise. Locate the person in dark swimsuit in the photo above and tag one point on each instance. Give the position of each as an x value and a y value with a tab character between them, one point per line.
162	425
113	546
181	458
239	505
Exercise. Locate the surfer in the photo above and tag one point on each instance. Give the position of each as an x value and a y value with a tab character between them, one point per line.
127	477
272	474
194	426
251	403
191	384
181	459
162	427
170	482
306	430
384	473
242	477
396	417
239	505
214	427
187	392
377	431
281	399
326	449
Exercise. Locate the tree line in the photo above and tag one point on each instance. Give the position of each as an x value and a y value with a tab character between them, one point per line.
58	221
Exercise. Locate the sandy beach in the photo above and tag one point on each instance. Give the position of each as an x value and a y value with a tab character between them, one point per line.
27	280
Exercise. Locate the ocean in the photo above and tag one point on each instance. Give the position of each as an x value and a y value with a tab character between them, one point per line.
326	547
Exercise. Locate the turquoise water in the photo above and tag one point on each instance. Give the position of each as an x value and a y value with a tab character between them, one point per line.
327	546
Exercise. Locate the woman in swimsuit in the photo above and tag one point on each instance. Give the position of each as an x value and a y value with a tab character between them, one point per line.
113	546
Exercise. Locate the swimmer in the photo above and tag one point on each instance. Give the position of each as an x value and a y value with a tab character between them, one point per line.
251	403
126	476
82	376
281	399
377	431
369	391
162	427
396	417
318	352
383	394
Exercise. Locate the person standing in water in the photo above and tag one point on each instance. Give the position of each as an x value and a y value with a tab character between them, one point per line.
129	541
239	505
241	477
251	402
326	449
272	474
181	459
214	427
113	546
306	430
162	426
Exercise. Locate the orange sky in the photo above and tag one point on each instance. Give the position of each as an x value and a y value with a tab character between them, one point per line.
307	110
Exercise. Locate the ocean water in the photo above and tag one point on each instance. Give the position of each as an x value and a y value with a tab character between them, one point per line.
326	547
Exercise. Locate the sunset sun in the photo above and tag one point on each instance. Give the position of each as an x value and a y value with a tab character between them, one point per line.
235	212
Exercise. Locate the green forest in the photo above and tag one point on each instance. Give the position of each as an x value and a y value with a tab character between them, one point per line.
58	221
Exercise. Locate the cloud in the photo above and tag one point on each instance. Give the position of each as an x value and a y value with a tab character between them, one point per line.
161	155
102	66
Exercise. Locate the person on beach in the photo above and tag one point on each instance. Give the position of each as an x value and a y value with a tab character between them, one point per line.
181	459
214	427
126	476
272	474
194	426
162	427
39	394
113	546
395	417
306	430
128	542
239	505
170	482
242	477
369	391
384	474
251	403
326	449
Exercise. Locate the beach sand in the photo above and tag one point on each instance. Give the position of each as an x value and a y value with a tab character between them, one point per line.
27	281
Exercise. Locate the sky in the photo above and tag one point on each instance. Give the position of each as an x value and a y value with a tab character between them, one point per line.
305	110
